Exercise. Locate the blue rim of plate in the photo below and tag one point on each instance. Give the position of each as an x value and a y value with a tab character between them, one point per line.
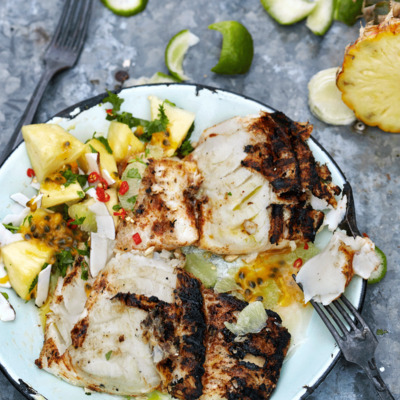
84	105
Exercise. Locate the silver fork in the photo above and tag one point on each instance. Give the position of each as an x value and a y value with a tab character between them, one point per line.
356	339
62	53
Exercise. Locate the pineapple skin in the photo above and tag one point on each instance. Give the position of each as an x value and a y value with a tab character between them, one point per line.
369	75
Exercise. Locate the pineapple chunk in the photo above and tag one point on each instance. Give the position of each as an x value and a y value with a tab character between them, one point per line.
50	147
107	160
24	260
123	141
180	122
369	75
54	194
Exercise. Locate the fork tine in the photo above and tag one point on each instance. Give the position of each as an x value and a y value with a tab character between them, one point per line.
345	315
357	315
318	308
76	22
62	30
83	26
330	309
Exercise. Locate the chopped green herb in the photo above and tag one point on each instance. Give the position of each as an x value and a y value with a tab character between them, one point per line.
64	259
28	218
146	152
134	174
73	178
34	283
116	207
104	142
82	179
132	199
93	149
170	103
5	295
186	146
11	227
115	101
108	355
79	221
229	193
85	271
381	332
137	159
81	194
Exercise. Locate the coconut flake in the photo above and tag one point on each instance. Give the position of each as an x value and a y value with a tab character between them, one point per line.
7	312
366	260
35	183
20	198
92	160
43	286
105	222
335	216
7	237
3	274
92	193
100	252
107	177
16	219
38	200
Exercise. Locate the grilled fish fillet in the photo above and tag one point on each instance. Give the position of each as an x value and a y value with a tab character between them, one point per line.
164	213
198	357
250	165
99	345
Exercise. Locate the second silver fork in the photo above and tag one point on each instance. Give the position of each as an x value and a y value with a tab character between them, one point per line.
62	53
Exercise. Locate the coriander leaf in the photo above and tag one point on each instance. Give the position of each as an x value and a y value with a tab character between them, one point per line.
132	199
80	194
115	101
170	103
381	332
5	295
104	142
11	227
69	176
64	259
116	207
134	174
108	355
84	271
93	149
186	147
34	283
79	221
82	179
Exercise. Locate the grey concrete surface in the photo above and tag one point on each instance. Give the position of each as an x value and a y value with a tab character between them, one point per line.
285	59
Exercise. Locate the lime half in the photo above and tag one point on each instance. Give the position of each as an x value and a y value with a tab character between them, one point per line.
237	48
380	272
125	8
325	99
347	11
287	12
176	50
321	17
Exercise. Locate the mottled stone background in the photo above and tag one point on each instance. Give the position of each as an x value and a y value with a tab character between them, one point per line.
284	61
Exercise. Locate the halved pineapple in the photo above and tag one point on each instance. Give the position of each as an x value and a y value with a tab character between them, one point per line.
370	74
50	147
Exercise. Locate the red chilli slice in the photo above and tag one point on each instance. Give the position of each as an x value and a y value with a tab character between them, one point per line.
30	172
123	188
93	177
306	246
121	213
102	195
298	263
136	238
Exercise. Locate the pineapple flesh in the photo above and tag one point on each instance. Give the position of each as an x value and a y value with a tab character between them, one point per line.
370	74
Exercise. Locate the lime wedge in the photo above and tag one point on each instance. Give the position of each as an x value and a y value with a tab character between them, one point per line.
287	12
380	272
325	99
321	17
160	77
125	8
237	48
176	50
347	11
252	319
202	269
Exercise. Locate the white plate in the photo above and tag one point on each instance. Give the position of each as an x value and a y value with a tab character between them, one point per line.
21	340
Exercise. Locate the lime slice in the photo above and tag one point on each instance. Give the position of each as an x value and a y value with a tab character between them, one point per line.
380	272
176	50
237	48
321	17
287	12
252	319
160	77
325	99
202	269
347	11
125	8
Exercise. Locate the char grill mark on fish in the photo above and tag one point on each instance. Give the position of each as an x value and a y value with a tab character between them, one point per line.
245	369
178	329
294	222
282	156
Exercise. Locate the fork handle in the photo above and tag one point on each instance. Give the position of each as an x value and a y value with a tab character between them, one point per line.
29	112
373	374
